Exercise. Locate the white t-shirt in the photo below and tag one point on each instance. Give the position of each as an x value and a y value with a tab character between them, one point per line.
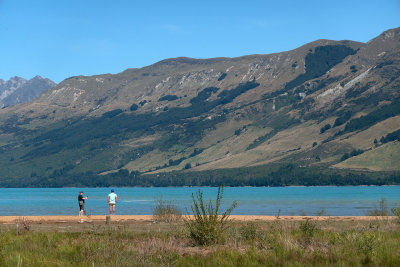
113	198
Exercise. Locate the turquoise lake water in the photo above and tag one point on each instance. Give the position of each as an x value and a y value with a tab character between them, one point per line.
349	200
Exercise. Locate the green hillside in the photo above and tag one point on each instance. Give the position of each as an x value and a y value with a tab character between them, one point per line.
382	158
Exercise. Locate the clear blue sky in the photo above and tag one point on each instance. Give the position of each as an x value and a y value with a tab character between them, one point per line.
58	39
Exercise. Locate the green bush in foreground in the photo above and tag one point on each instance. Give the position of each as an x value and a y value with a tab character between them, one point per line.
208	226
308	229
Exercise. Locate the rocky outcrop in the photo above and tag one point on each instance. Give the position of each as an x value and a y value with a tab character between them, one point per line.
19	90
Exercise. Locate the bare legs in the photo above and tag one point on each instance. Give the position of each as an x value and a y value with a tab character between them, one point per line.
112	209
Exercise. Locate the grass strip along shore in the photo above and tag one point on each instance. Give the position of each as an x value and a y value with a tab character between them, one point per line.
298	241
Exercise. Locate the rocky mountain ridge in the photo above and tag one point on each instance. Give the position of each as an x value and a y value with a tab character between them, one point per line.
19	90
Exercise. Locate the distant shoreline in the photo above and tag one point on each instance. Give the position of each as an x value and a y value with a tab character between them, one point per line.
201	186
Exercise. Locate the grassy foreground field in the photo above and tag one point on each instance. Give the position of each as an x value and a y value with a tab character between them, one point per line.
256	243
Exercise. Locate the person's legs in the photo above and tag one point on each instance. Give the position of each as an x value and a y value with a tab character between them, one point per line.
81	210
110	206
114	209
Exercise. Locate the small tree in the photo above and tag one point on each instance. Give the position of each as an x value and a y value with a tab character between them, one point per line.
314	144
134	107
188	166
207	225
325	128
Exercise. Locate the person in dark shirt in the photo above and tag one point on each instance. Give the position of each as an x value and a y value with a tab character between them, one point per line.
81	201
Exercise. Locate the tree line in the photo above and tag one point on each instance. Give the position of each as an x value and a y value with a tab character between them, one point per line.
269	175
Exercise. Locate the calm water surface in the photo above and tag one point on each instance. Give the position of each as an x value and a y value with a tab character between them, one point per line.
351	200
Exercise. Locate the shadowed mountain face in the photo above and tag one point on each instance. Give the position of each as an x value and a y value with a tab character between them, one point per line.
322	104
18	90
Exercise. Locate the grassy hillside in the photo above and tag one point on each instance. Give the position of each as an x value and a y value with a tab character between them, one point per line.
382	158
324	104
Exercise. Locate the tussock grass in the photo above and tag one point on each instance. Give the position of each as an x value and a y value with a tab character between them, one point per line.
166	211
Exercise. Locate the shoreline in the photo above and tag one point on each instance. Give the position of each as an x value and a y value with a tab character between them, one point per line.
149	218
205	186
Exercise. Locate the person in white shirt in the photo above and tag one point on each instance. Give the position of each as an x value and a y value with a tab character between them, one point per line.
112	200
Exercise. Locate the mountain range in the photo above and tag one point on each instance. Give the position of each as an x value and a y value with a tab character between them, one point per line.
19	90
332	105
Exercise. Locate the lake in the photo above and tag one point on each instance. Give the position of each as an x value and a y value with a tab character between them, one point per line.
334	200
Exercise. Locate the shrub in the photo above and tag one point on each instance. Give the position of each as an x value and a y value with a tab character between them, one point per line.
249	231
165	211
396	212
22	225
314	144
208	225
353	68
223	75
325	128
168	98
382	210
134	107
308	229
353	153
321	212
345	156
343	118
356	152
366	244
112	113
391	137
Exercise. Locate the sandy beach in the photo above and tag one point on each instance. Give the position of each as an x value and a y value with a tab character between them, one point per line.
143	218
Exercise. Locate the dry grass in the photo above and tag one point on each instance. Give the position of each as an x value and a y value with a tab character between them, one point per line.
166	211
279	242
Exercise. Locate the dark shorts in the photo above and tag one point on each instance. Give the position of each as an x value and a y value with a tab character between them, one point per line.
82	207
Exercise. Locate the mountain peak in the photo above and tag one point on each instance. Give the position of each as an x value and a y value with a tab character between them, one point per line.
37	77
391	36
391	33
16	78
18	90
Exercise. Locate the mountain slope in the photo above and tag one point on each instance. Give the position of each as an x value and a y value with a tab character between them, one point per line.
310	107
